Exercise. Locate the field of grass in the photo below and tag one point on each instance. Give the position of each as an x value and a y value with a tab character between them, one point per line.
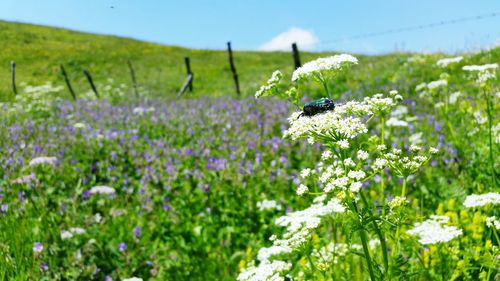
207	187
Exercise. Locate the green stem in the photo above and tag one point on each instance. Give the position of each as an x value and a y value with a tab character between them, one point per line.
363	237
403	190
382	182
364	242
490	125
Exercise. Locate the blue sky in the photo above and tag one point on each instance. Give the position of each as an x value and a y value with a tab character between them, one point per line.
253	24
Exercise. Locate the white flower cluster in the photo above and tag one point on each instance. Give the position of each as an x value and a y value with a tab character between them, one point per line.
437	84
493	222
481	68
479	200
446	61
403	164
67	234
265	271
52	161
339	125
299	226
434	230
102	189
268	205
397	202
315	67
485	72
266	90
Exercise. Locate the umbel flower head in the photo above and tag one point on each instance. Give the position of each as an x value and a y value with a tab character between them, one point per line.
321	65
479	200
446	61
434	230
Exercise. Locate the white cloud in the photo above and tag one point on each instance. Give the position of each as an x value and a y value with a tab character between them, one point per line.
305	39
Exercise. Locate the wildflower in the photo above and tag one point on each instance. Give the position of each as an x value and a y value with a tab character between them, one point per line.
37	247
394	122
434	231
316	67
137	231
480	68
79	125
268	205
24	179
493	222
397	201
343	144
446	61
102	189
271	86
43	160
479	200
327	154
122	246
305	173
264	271
454	97
433	150
66	235
4	208
437	84
302	189
355	186
132	279
362	155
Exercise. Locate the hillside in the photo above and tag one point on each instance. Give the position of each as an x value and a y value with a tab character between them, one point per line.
160	69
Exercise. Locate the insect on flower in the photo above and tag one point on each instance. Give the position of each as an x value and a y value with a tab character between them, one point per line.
317	106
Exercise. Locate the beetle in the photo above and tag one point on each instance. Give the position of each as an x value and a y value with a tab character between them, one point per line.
317	106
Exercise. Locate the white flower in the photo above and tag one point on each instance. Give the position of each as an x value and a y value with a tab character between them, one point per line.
415	148
433	150
43	160
24	179
493	222
416	138
79	125
264	271
394	122
480	68
379	164
268	205
397	201
349	163
315	67
454	97
102	189
266	253
437	84
357	175
305	173
355	186
479	200
421	87
446	61
327	154
132	279
66	235
362	155
343	144
434	231
302	189
271	84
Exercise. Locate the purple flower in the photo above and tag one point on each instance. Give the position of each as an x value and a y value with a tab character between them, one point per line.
108	278
37	247
122	247
4	208
44	267
137	231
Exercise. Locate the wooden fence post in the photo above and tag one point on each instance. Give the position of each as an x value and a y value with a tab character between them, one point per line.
233	68
189	72
91	82
296	57
13	72
66	79
132	74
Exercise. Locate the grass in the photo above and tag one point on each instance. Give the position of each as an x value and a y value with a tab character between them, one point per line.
39	50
